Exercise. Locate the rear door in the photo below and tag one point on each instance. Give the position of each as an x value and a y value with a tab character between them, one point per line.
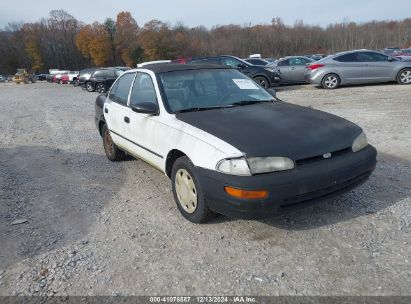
115	108
377	67
350	68
286	70
297	69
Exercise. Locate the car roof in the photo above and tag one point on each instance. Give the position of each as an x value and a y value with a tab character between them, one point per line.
170	67
355	51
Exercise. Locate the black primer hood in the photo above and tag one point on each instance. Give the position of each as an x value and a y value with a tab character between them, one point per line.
276	129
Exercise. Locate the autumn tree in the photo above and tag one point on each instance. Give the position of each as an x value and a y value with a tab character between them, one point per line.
94	43
157	41
125	38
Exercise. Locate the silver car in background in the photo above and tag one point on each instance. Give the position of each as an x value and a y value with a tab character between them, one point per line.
357	67
292	68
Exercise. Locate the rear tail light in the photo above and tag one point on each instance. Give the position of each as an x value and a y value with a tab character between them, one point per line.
315	66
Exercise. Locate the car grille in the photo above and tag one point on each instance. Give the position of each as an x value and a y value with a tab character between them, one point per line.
317	158
324	192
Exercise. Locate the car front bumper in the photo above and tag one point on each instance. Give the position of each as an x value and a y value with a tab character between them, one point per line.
304	185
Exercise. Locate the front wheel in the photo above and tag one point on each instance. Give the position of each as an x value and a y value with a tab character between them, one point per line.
113	153
331	81
404	76
188	193
262	81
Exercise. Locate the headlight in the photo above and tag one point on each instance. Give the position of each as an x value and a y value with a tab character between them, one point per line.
269	164
254	165
360	142
273	70
234	166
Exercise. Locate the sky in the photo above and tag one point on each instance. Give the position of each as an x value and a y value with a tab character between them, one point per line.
210	12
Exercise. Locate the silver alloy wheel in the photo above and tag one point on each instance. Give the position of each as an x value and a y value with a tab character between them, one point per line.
89	87
186	191
262	82
405	77
331	81
102	88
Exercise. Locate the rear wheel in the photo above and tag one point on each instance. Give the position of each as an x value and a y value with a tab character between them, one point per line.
404	76
112	151
89	87
188	193
331	81
262	81
101	88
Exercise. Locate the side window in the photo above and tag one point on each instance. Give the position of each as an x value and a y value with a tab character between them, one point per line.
122	88
143	90
207	61
297	61
372	57
113	91
284	63
232	62
110	73
97	73
352	57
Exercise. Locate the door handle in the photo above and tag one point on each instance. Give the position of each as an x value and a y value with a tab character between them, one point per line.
105	110
126	119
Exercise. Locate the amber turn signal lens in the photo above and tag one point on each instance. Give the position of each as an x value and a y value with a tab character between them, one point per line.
246	194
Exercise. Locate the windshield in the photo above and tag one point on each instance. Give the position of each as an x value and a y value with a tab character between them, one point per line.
209	88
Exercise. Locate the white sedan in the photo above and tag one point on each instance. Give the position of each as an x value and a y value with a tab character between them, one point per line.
228	145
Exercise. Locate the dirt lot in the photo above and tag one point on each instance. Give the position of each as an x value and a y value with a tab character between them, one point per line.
100	228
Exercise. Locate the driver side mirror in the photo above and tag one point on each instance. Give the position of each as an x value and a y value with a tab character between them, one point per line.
145	108
391	59
241	65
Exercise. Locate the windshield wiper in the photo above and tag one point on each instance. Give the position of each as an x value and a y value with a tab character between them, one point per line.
197	109
249	102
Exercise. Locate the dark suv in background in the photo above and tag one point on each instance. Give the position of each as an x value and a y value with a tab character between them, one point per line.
102	79
84	76
265	76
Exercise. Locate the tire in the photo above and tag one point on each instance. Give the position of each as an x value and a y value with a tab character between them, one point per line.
262	81
188	193
113	153
331	81
404	76
101	88
89	87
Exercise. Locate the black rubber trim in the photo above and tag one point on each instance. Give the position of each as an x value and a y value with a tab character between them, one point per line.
140	146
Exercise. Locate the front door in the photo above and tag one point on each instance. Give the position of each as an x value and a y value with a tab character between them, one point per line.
141	129
377	67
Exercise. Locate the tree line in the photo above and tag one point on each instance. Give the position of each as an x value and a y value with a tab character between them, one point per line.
61	41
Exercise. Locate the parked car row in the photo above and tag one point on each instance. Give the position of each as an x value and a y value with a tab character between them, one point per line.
61	77
352	67
8	78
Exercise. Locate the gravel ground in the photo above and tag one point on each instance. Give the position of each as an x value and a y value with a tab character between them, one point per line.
74	223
